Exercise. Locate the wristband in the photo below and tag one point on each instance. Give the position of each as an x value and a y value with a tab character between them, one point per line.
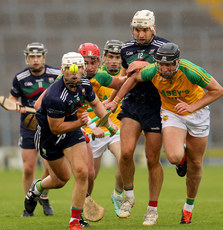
110	128
92	125
117	100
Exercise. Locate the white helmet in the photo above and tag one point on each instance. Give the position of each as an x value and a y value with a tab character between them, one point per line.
72	58
143	19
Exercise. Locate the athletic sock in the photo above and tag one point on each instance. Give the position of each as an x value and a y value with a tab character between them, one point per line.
129	191
75	214
116	193
38	189
189	204
44	195
152	205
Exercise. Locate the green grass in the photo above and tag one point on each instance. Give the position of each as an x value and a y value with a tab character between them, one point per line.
208	211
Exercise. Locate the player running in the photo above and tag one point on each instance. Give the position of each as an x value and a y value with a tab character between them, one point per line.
141	112
59	137
112	66
185	112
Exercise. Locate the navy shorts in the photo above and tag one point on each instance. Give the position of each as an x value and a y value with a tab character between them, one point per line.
51	146
26	140
147	114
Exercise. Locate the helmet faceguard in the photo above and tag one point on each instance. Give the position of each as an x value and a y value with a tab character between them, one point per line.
32	49
112	48
67	60
90	50
168	53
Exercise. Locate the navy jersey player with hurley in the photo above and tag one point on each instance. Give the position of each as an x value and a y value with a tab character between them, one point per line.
60	139
28	85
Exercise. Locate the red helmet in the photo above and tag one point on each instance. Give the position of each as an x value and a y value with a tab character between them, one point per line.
89	50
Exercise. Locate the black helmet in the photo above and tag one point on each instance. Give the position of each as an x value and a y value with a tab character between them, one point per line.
113	46
167	53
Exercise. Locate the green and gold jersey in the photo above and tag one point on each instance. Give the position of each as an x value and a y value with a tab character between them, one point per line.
103	94
187	84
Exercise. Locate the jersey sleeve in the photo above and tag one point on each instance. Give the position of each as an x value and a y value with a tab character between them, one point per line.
16	90
195	74
103	78
90	94
148	72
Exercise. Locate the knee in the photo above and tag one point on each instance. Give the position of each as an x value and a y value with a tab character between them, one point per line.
62	180
174	159
81	173
60	183
28	170
152	159
127	155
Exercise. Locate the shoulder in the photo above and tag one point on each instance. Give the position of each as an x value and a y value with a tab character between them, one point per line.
158	41
85	82
52	70
128	44
149	72
23	74
194	73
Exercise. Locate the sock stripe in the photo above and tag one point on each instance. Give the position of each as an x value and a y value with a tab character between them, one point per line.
128	188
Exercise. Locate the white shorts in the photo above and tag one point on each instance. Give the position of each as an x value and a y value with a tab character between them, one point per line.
100	145
197	124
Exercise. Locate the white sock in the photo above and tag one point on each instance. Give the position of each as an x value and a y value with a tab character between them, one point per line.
188	207
151	208
129	193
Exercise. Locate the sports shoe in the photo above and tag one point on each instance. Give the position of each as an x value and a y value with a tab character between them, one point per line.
126	206
186	217
151	217
117	201
26	214
182	167
32	197
47	208
84	223
75	225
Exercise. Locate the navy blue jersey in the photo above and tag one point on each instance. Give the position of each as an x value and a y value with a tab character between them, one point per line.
132	51
29	87
59	102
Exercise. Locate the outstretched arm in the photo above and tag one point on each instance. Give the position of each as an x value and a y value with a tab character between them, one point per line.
126	87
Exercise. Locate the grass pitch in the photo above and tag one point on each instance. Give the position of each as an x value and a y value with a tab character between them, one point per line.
208	211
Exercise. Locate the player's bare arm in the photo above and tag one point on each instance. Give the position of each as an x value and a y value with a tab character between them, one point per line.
60	126
16	100
117	82
126	87
214	91
38	102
